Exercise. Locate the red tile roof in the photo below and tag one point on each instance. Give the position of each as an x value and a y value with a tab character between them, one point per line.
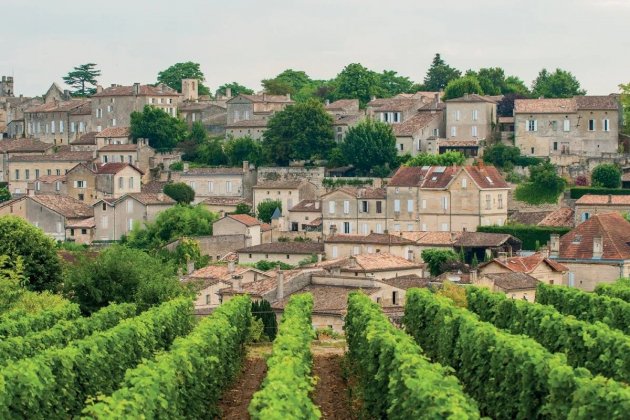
486	177
144	90
59	106
561	217
412	125
618	200
528	264
68	207
114	132
114	167
372	238
307	206
86	139
611	227
513	281
382	261
23	146
245	219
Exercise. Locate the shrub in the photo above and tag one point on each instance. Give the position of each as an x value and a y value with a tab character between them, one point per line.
266	208
528	234
606	175
577	192
180	192
620	289
435	258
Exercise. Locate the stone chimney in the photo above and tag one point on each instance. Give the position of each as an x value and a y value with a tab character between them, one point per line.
474	276
280	285
190	267
245	166
237	283
99	88
598	247
228	92
554	245
410	255
231	267
136	88
436	98
316	204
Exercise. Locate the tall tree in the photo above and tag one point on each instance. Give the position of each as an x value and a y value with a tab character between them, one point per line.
173	76
83	79
391	83
370	146
491	79
243	148
235	89
180	192
357	82
289	81
625	102
5	194
505	107
162	130
514	85
439	74
302	131
459	87
559	84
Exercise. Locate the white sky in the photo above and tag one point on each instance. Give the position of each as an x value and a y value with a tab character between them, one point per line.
248	40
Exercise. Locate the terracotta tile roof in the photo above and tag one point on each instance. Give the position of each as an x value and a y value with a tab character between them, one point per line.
368	193
545	105
382	261
341	120
529	217
307	206
153	187
408	176
266	285
213	171
393	104
458	143
82	223
284	248
528	264
613	200
226	201
248	123
265	98
609	102
66	206
486	177
561	217
114	132
432	238
265	227
222	272
473	97
280	185
245	219
612	227
513	281
23	146
201	106
483	239
327	299
439	177
315	222
58	106
343	104
151	198
414	124
130	147
372	238
86	139
406	282
50	179
114	167
57	157
454	276
144	90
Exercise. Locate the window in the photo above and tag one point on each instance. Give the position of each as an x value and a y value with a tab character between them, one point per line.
532	150
81	197
334	252
555	145
379	228
346	227
58	186
210	186
48	172
130	225
500	204
228	186
532	125
424	204
606	124
554	125
72	127
464	183
113	122
17	174
129	159
444	203
38	186
379	207
81	126
585	216
52	127
394	297
110	108
61	126
401	146
83	231
397	227
27	174
591	125
79	184
488	202
208	300
475	115
120	182
566	125
436	132
410	206
130	182
99	113
129	206
356	250
104	206
409	227
364	206
346	207
364	228
453	131
457	115
444	227
473	131
396	206
331	207
424	227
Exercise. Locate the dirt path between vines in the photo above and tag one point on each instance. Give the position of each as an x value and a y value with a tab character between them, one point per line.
331	391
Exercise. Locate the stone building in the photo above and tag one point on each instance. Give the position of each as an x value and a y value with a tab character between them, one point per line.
589	205
255	107
55	214
354	211
224	182
341	246
291	253
58	122
288	192
21	147
582	125
254	230
471	117
537	265
346	114
413	134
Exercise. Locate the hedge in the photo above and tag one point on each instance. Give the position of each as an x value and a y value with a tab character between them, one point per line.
190	377
28	323
577	192
510	376
589	307
284	393
594	346
396	380
620	289
528	234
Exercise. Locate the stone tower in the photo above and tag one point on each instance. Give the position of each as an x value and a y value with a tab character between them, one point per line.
190	89
6	86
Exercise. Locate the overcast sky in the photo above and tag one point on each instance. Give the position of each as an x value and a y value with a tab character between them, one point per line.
248	40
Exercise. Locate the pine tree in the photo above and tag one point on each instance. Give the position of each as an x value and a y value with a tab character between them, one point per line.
81	77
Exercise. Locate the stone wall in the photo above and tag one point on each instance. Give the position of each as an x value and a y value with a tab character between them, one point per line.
314	175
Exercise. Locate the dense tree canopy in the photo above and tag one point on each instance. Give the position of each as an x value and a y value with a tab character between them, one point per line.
288	82
163	131
83	79
266	208
180	192
42	268
437	258
439	75
235	89
370	146
457	88
606	175
173	76
444	159
559	84
357	82
5	194
625	102
243	148
392	84
505	107
302	132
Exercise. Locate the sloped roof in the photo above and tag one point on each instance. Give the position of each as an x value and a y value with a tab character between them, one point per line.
82	223
406	282
67	206
343	104
611	227
545	105
226	201
381	261
561	217
88	139
213	171
114	167
414	124
613	200
529	217
372	238
528	264
265	98
307	206
222	272
151	198
513	281
393	104
50	179
327	299
144	90
594	102
61	156
58	106
130	147
473	97
114	132
483	239
23	146
245	219
362	192
287	185
284	248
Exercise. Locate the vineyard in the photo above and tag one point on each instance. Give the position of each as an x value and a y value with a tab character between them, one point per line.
565	356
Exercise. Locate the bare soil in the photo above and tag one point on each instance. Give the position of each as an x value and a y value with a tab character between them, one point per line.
234	402
331	392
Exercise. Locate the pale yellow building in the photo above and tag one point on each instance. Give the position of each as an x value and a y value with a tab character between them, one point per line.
357	211
289	193
471	117
292	253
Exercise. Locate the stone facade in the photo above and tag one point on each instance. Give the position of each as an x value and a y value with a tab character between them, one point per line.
289	193
58	123
218	182
354	211
471	117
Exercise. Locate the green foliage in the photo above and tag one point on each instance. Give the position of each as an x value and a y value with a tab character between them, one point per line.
265	209
243	149
312	259
436	258
510	376
242	208
528	234
333	183
180	192
121	274
173	76
559	84
357	82
625	103
606	175
42	267
457	88
288	82
577	192
328	332
11	281
186	250
187	381
600	349
544	185
198	134
5	195
63	332
262	311
619	289
493	81
589	307
439	75
81	78
397	381
285	391
57	382
19	323
302	131
504	156
177	166
392	84
370	146
236	89
210	153
445	159
264	265
163	131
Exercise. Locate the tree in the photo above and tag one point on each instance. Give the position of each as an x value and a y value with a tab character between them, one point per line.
391	84
606	175
302	131
235	89
370	146
243	149
435	258
211	153
544	185
5	194
81	78
501	155
357	82
459	87
42	267
180	192
198	134
163	131
445	159
514	85
242	208
266	208
439	74
559	84
505	107
288	82
120	274
625	102
173	76
262	311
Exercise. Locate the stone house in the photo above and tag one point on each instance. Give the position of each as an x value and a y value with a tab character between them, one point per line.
382	265
340	246
291	253
346	114
413	134
255	107
590	204
471	117
305	216
288	192
112	106
91	182
350	210
596	251
224	205
15	206
446	199
212	114
255	231
115	218
515	285
218	182
394	110
246	128
58	122
55	214
582	125
537	265
81	230
138	154
49	184
85	143
9	148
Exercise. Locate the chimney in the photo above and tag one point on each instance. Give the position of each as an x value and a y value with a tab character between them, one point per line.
228	92
554	245
372	98
186	166
436	99
190	267
99	88
316	204
280	285
136	88
245	166
410	255
473	276
598	247
352	261
231	267
30	192
160	196
237	283
609	198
